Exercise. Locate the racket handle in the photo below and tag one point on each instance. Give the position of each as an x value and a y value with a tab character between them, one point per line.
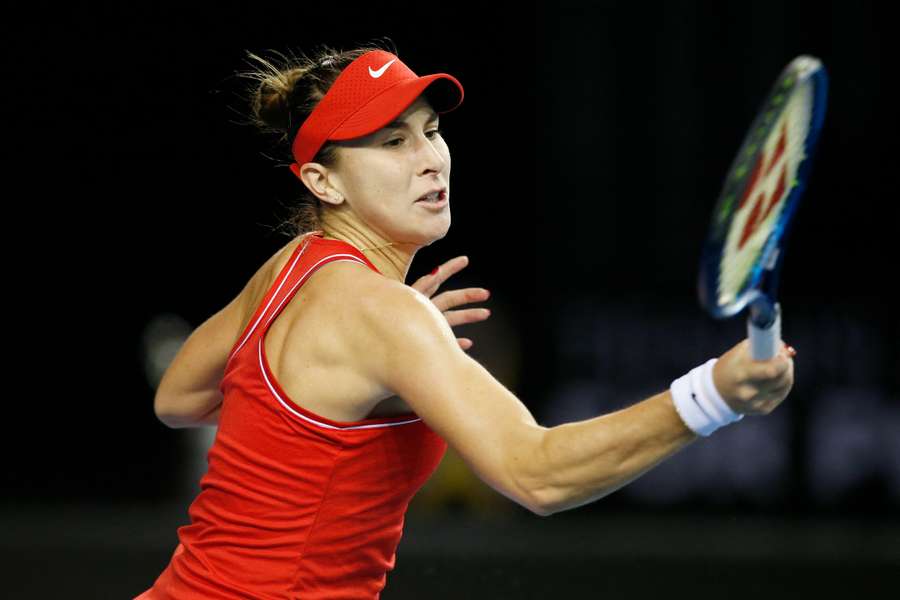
765	341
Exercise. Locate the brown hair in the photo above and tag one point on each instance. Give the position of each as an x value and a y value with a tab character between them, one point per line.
283	92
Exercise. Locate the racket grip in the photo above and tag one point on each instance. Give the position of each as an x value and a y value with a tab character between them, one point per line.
765	341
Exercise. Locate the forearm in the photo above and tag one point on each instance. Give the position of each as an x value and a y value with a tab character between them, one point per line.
211	419
189	389
583	461
191	410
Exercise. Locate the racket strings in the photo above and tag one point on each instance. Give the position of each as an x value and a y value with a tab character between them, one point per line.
776	161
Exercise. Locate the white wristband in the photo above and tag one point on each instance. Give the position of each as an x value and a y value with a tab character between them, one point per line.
699	403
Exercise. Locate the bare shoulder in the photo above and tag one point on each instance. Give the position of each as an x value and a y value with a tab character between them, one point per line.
406	346
376	315
390	309
401	329
259	282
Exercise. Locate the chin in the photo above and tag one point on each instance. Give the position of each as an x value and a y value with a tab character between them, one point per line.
437	238
441	232
430	229
426	239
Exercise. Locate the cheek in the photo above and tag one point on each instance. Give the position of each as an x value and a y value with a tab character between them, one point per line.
377	180
444	149
382	194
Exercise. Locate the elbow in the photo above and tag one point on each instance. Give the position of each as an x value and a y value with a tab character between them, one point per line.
159	411
165	414
166	420
542	503
541	511
533	479
173	422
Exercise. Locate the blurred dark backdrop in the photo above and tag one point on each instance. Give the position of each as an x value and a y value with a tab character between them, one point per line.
587	156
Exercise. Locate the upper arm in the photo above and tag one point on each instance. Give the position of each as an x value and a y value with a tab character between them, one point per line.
189	387
419	359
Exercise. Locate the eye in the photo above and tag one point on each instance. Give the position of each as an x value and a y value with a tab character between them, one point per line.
396	141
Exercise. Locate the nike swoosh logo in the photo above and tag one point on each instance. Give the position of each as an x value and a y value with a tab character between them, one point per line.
380	72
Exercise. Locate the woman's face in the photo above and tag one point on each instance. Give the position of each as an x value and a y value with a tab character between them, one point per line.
384	174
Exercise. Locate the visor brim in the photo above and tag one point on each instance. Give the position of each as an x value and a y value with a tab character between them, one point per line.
443	91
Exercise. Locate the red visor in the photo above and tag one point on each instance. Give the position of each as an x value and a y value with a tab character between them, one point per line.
368	94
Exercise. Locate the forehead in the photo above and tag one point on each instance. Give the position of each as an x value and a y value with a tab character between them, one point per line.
420	107
419	110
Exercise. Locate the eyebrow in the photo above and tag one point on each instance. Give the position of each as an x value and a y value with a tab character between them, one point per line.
402	124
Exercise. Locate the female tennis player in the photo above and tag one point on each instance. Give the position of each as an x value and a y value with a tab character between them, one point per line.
337	388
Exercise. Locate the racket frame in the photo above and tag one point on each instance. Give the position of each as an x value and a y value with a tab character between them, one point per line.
761	291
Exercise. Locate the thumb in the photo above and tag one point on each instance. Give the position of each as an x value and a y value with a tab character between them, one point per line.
770	369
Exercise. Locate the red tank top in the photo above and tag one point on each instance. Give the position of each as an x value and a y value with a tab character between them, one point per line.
295	505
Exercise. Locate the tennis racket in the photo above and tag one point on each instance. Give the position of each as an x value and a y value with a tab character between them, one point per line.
743	252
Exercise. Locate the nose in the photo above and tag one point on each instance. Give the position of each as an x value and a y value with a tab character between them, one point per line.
431	157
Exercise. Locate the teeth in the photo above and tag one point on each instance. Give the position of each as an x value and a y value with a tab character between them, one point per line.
432	197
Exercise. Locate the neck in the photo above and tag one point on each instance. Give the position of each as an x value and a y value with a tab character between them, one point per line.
392	259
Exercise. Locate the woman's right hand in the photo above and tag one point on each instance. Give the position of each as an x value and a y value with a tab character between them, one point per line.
754	387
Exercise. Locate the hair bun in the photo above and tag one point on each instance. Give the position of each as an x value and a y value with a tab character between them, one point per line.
286	88
283	91
274	101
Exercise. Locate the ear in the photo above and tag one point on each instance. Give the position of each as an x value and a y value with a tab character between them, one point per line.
317	179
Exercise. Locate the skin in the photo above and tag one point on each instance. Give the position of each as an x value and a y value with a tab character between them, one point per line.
395	351
371	193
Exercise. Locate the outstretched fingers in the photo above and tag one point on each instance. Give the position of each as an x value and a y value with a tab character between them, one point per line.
453	298
449	300
429	284
468	315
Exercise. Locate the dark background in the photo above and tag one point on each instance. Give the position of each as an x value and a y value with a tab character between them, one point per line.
587	155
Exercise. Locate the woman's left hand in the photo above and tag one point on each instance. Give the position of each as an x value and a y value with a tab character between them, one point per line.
429	284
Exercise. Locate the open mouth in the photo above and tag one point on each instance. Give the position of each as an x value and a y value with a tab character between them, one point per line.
434	197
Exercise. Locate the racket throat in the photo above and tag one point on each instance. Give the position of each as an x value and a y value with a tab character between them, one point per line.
763	313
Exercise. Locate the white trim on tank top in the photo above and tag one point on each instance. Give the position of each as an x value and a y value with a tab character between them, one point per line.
331	258
262	369
302	280
271	300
